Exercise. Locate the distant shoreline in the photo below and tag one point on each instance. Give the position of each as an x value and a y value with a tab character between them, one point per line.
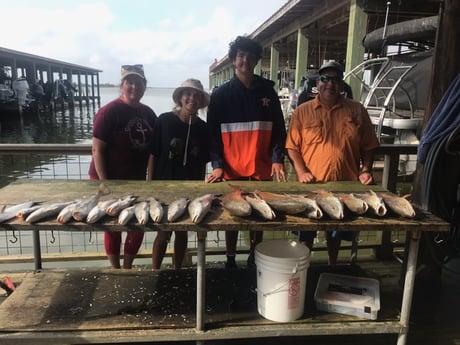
107	86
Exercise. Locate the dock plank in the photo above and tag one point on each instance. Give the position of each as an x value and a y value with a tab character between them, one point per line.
95	301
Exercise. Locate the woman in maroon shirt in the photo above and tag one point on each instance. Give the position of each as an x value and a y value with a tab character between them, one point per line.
122	133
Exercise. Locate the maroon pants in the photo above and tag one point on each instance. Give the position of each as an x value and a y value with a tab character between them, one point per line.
112	242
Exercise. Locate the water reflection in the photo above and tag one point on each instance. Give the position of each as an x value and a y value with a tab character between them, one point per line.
64	124
71	125
60	124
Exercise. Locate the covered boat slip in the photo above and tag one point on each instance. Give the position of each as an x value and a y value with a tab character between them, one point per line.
103	306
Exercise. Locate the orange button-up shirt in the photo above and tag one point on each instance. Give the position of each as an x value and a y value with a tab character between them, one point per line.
331	141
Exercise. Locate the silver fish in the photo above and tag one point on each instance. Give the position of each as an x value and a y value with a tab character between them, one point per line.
312	209
125	215
16	208
283	202
80	213
330	204
23	213
260	206
156	210
114	209
46	211
99	211
12	211
141	211
375	203
353	203
176	209
66	213
398	205
199	207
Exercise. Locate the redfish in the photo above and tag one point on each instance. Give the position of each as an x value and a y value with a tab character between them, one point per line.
375	203
260	206
283	202
312	209
235	204
330	204
353	203
399	205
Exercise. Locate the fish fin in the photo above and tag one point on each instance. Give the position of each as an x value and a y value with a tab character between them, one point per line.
236	188
322	192
103	189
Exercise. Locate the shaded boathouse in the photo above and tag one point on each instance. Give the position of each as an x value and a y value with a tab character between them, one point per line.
302	34
65	82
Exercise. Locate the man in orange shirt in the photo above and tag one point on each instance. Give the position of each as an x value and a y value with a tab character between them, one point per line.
331	138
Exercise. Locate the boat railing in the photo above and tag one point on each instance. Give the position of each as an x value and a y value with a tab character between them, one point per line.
71	161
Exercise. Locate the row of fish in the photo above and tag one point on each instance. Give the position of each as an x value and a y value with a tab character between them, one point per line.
92	209
237	203
314	204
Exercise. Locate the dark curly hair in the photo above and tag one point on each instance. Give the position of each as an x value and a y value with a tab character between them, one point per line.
245	44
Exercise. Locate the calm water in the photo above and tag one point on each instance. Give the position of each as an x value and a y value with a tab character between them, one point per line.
70	125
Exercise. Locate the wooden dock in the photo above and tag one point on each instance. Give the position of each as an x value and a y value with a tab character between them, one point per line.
99	307
113	306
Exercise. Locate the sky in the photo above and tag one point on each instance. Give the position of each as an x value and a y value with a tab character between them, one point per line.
173	39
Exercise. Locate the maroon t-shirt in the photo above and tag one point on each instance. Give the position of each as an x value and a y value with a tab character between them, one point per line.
128	132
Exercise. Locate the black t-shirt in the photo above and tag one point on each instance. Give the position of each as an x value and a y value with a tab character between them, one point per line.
169	145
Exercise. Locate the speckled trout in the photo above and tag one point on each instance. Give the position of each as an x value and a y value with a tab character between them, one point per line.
199	207
66	213
122	203
45	211
156	210
141	211
176	209
99	211
12	211
85	205
125	215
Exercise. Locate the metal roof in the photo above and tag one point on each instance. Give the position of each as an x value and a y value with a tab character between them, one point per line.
325	22
8	54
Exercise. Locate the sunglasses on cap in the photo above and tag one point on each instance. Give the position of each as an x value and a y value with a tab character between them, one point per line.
325	79
138	68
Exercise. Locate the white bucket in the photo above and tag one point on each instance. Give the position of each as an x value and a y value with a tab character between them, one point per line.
281	279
